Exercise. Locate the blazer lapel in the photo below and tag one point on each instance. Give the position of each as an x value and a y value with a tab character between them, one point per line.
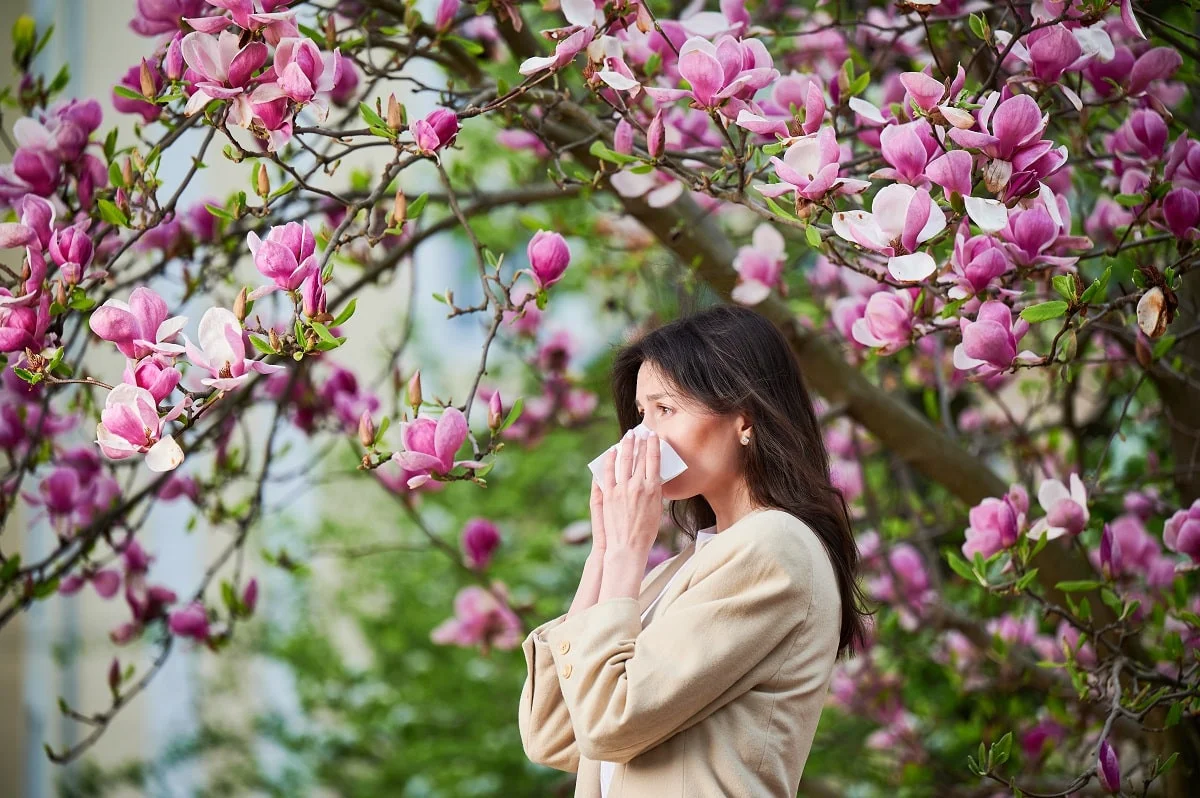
650	591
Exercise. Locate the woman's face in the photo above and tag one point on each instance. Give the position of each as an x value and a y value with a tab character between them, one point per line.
708	443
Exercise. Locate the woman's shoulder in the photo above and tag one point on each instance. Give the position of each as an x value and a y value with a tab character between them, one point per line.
773	534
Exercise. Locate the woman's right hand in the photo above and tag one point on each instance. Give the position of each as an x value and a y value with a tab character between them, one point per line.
597	505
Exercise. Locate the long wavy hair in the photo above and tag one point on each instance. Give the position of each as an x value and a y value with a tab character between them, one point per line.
732	359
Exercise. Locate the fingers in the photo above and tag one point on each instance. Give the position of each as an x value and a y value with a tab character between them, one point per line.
653	458
624	465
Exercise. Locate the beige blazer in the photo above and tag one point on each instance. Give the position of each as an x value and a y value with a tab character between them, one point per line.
717	693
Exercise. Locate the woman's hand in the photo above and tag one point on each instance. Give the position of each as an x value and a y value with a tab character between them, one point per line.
631	490
597	505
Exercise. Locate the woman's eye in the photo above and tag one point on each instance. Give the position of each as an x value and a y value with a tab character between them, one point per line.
665	409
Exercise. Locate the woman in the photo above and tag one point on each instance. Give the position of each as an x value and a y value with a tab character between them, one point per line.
705	677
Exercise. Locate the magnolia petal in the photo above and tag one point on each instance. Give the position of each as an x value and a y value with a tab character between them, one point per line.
912	268
990	215
866	110
164	455
617	80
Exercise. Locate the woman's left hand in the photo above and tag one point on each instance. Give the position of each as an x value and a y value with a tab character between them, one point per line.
632	488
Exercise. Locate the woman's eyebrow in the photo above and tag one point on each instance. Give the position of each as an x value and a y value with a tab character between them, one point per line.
650	398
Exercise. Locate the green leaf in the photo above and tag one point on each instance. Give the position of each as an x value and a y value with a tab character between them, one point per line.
10	569
1026	580
370	117
1064	284
473	48
279	192
114	175
384	423
814	236
45	589
1078	585
978	26
323	333
24	39
220	212
416	206
1045	311
345	315
261	345
859	85
513	413
961	567
129	94
1096	290
778	209
605	154
112	214
1130	200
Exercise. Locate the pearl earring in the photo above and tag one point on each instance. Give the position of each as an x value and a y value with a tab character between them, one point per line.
745	440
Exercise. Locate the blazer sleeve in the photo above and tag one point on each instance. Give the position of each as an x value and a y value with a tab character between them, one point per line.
627	689
546	732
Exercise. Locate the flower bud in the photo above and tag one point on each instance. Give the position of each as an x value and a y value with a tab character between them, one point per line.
495	411
250	596
60	294
623	138
395	113
399	208
114	675
273	340
366	429
262	181
655	136
549	257
645	22
1108	767
414	390
146	81
239	305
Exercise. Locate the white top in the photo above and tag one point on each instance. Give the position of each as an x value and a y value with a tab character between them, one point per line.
608	768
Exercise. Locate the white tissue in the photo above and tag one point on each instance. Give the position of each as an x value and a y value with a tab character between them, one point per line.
671	464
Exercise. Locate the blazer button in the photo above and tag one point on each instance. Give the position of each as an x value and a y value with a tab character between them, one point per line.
566	671
564	646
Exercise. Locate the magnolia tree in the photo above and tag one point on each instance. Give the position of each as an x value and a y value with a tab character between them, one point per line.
975	223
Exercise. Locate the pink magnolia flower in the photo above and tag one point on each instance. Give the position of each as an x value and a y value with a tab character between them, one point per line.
480	620
155	17
435	131
1108	765
430	445
302	70
975	263
480	537
447	10
564	52
224	70
996	523
190	621
718	72
24	320
549	257
913	593
142	327
1035	235
810	167
312	294
1050	52
1066	510
71	250
1105	218
927	93
989	343
887	321
1141	137
1127	548
345	83
222	351
35	225
130	424
1006	128
252	15
66	503
287	255
155	373
1182	534
1181	213
907	148
106	581
901	218
773	116
759	266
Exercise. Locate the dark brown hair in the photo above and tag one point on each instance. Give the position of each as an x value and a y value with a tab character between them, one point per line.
732	359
